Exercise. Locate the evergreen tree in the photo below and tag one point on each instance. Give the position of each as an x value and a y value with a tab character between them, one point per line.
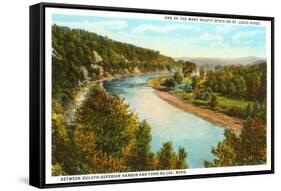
225	152
252	145
181	157
249	148
166	157
141	152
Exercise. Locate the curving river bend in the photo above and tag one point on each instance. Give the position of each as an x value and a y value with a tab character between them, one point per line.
168	123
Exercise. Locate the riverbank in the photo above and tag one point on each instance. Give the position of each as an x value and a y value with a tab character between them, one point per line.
217	118
83	91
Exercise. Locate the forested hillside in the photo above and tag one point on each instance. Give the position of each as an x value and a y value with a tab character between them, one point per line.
79	56
106	136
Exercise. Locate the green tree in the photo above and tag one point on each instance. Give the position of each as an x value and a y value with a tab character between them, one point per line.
60	137
213	100
248	111
181	157
252	145
249	148
166	157
141	152
194	82
74	49
255	84
225	152
256	108
202	73
170	83
57	170
247	81
223	88
231	89
102	162
114	134
241	87
178	77
83	147
188	68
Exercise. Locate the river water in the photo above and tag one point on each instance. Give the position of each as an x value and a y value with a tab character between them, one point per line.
168	123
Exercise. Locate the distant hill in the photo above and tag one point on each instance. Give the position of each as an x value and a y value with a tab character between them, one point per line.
210	62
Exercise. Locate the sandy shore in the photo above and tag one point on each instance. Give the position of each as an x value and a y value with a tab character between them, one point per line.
220	119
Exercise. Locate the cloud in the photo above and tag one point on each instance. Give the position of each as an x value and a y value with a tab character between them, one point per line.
97	26
162	29
246	37
210	38
223	29
193	40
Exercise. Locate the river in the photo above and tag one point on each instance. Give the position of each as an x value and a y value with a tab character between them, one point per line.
168	123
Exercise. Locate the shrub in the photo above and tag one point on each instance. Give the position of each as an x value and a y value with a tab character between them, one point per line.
170	83
214	100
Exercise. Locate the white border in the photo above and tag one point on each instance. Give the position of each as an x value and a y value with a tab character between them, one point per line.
99	177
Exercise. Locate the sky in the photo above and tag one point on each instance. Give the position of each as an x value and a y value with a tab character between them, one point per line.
175	38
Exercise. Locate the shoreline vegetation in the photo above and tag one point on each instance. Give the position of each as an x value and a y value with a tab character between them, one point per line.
233	97
103	136
81	94
98	145
218	118
226	96
233	123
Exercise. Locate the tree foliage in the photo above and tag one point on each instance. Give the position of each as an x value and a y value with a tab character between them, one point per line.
168	159
79	56
178	77
166	156
214	100
246	82
249	148
106	137
57	170
188	68
141	155
169	82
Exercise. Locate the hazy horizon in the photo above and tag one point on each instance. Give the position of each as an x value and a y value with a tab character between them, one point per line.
220	57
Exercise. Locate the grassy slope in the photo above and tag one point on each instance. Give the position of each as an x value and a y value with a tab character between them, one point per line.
224	103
